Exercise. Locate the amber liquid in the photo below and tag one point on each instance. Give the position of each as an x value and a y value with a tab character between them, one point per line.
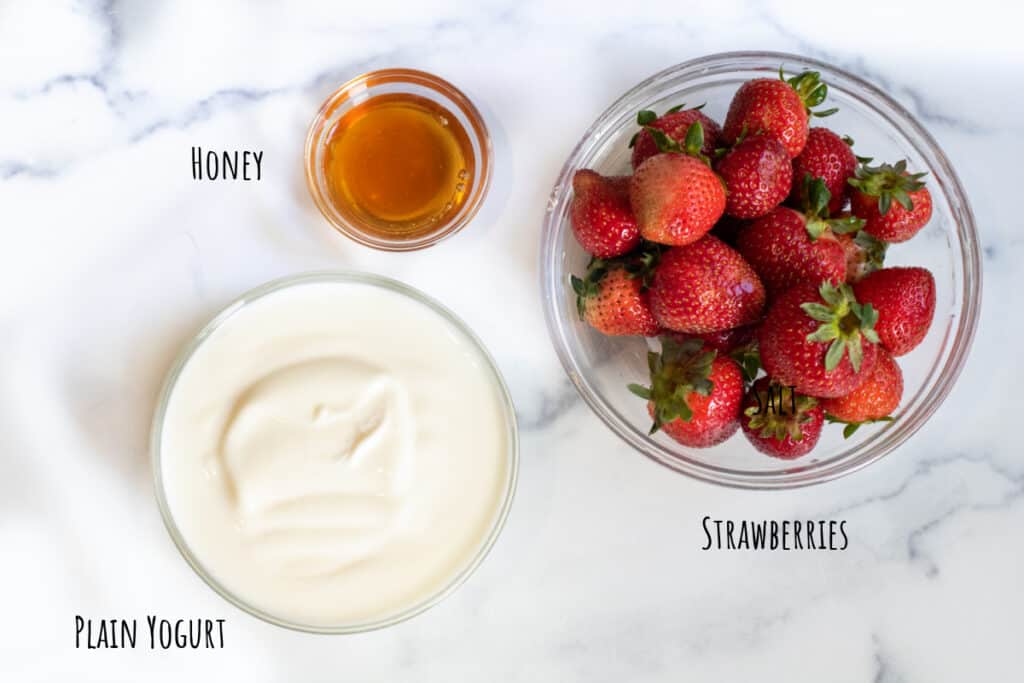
399	164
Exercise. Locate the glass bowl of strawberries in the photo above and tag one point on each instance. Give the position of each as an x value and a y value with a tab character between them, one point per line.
760	270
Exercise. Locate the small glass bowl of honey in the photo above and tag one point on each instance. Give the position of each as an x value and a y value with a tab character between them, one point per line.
398	159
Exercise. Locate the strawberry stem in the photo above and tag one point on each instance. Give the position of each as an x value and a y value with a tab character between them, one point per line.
679	370
844	322
588	286
874	250
811	89
776	417
888	182
815	199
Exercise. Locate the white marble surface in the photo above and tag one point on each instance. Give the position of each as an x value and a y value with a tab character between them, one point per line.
113	256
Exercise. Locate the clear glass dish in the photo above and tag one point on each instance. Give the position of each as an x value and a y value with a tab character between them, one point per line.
270	288
601	367
390	82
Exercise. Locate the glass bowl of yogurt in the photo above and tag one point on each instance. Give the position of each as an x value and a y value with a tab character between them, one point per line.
601	367
334	452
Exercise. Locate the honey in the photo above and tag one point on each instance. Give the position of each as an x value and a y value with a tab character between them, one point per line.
399	164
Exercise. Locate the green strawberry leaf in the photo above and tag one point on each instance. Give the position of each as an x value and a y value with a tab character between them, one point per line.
815	197
663	142
868	317
853	345
694	139
888	182
884	202
703	387
831	294
749	361
874	250
901	196
825	333
580	288
683	412
816	228
646	117
846	224
845	323
588	286
640	390
851	427
680	370
811	89
818	312
834	354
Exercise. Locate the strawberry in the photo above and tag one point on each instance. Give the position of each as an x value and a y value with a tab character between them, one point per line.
757	174
780	422
676	198
776	108
864	254
614	301
659	133
819	340
705	287
695	394
905	301
602	218
872	401
788	247
894	204
829	157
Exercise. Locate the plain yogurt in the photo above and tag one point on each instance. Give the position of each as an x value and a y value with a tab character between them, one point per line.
335	452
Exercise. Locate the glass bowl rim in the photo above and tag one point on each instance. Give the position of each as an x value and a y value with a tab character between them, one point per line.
335	276
963	334
477	131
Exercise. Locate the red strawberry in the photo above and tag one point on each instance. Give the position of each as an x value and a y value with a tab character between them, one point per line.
894	204
673	125
758	175
695	394
864	254
705	287
829	157
602	218
905	301
676	197
614	302
776	108
873	400
787	247
819	340
780	422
